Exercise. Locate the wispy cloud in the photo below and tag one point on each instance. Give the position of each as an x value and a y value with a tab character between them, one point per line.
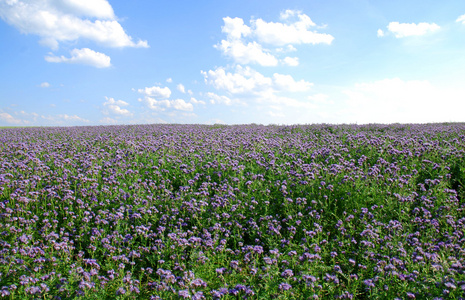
402	30
84	56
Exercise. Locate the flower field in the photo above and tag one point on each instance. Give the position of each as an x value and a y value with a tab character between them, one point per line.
232	212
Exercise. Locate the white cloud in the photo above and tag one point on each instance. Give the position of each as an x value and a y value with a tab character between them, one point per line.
112	106
291	61
72	118
45	85
83	56
5	117
288	84
244	81
235	28
64	119
87	8
195	101
156	98
169	80
181	88
380	33
275	114
156	92
58	21
153	104
247	53
162	105
244	43
401	101
180	104
288	48
401	30
245	86
217	99
297	32
461	19
247	81
108	120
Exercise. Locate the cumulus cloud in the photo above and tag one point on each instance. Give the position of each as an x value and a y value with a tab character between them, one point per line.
181	88
380	33
288	84
235	28
67	20
291	61
87	8
83	56
246	80
246	86
243	43
290	32
217	99
157	98
195	101
163	105
401	30
156	92
45	85
251	52
112	106
180	104
9	119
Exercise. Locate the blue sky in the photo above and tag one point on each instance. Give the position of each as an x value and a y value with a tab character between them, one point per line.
99	62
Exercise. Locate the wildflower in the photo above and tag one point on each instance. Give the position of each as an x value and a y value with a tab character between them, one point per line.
120	291
287	273
198	296
184	294
369	283
234	264
285	286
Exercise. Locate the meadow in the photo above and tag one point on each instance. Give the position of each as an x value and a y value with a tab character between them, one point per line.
233	212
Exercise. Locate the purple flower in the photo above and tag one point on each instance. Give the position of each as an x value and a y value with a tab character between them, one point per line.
234	264
287	273
198	296
196	283
184	294
120	291
258	249
450	285
369	283
285	286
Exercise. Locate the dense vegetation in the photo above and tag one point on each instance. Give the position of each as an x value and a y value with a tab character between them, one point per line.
225	212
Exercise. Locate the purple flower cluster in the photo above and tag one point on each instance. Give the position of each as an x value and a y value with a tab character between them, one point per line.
250	211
